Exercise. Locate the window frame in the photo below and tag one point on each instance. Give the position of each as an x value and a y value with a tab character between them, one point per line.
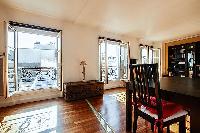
151	60
119	43
11	25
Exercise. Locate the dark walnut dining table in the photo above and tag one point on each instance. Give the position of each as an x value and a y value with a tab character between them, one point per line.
181	90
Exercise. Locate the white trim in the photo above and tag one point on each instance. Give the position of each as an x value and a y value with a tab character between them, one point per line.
30	96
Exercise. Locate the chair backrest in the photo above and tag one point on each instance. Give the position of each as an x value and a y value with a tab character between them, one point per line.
146	86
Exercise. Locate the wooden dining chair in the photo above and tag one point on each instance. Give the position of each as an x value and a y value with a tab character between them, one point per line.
148	103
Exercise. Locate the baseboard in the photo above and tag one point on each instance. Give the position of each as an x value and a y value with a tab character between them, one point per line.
31	96
113	84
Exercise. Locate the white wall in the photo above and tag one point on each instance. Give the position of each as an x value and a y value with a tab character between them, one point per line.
78	43
135	49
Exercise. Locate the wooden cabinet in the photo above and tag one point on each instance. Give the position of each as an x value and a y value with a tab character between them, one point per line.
81	90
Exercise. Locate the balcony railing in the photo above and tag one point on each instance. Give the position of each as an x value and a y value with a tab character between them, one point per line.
34	78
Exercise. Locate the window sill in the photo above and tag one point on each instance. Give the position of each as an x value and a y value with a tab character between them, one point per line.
22	93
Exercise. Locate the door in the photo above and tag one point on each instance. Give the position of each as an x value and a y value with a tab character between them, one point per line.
103	73
124	56
11	55
113	60
59	60
156	59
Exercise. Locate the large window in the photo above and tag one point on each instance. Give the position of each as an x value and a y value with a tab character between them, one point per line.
150	55
34	58
113	60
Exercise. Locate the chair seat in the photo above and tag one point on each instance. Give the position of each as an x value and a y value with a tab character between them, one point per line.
170	110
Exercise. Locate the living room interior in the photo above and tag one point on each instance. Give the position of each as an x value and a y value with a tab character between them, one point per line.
67	62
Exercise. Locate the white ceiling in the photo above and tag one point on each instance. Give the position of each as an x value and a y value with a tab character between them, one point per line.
156	20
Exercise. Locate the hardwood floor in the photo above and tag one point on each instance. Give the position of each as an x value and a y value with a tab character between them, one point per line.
55	116
112	107
83	116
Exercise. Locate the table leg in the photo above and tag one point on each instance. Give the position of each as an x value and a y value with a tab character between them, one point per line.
128	107
195	119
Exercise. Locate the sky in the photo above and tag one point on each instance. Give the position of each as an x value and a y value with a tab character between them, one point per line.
27	40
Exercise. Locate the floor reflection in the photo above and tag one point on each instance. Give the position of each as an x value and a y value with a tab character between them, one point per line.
42	120
121	97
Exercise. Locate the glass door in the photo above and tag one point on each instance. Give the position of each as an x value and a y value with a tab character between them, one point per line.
11	59
103	61
124	53
59	61
113	60
40	70
33	59
156	58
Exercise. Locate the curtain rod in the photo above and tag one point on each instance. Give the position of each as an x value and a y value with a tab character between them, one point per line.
32	26
110	39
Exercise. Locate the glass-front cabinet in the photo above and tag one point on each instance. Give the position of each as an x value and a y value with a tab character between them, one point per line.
183	60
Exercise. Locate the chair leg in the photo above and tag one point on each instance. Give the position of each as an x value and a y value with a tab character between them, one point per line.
152	127
168	129
160	129
135	123
182	126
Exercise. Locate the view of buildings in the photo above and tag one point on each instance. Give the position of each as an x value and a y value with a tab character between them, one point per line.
36	67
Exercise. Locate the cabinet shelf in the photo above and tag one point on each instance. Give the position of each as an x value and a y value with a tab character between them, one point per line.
179	63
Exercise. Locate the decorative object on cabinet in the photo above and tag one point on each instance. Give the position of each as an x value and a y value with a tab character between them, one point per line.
83	63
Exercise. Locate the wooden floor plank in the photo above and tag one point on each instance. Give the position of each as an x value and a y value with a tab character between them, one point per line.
71	117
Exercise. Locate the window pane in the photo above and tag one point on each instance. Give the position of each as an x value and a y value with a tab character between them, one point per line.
102	47
113	61
59	61
156	58
150	56
144	55
37	61
124	61
11	38
11	61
